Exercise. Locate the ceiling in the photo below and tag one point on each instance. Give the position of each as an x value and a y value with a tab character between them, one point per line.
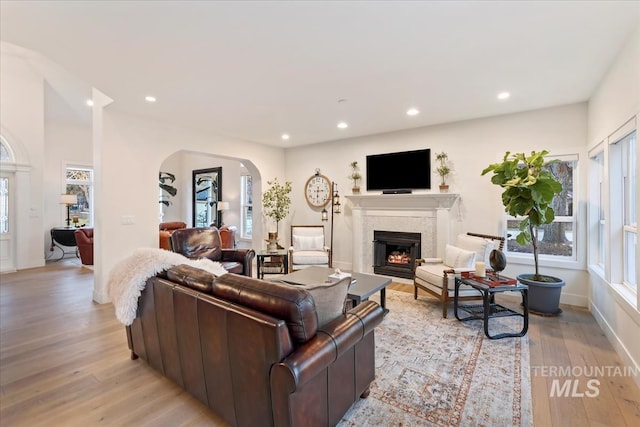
256	70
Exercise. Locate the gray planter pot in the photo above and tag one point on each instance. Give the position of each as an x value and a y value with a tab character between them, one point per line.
544	297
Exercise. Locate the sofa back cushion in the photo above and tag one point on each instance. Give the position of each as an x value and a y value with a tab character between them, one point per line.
197	242
292	304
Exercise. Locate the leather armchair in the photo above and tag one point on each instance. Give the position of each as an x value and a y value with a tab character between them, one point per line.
205	242
84	241
228	236
166	229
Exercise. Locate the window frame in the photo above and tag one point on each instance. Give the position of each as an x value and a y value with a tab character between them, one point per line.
547	260
246	204
79	182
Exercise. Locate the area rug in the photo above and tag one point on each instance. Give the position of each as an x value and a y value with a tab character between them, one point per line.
432	371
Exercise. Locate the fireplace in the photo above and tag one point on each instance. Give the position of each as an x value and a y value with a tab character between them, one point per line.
395	253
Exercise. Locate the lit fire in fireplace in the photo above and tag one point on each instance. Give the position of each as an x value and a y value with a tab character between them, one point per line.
397	257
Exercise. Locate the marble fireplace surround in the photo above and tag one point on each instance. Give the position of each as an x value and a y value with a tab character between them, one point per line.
429	214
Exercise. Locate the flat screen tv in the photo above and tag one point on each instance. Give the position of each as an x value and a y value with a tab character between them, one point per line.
399	172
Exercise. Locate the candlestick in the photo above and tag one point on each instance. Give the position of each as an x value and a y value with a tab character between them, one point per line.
480	269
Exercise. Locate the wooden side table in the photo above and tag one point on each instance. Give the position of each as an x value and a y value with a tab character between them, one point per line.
272	262
489	309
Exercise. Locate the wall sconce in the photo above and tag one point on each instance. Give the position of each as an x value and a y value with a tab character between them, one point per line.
222	206
68	199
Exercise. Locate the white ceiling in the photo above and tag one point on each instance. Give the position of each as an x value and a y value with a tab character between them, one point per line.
255	70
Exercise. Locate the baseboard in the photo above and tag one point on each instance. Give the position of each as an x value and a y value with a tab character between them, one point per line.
573	299
617	344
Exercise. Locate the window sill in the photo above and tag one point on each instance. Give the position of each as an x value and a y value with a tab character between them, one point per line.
569	264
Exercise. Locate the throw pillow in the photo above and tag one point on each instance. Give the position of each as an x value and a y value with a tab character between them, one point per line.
307	243
455	257
329	299
482	247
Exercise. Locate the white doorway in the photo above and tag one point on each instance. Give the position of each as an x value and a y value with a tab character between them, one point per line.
7	234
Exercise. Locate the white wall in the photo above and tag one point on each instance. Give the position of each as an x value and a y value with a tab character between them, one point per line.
617	100
22	124
127	147
68	142
471	145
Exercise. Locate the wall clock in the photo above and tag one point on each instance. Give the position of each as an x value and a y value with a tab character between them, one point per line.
318	190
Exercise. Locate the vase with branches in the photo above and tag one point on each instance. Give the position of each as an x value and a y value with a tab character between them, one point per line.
355	176
443	170
276	202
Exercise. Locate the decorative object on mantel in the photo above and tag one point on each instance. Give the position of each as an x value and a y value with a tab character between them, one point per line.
529	190
355	177
443	170
276	202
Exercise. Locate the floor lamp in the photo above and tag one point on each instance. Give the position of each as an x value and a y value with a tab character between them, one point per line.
335	209
68	199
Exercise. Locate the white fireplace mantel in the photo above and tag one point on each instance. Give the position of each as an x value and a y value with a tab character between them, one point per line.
424	201
430	213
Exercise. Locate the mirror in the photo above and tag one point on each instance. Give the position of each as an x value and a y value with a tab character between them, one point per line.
207	192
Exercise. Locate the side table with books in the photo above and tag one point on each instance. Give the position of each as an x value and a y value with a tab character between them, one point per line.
489	286
272	262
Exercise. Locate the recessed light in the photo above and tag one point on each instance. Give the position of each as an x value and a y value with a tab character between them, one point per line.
150	98
89	102
412	112
285	136
343	125
504	95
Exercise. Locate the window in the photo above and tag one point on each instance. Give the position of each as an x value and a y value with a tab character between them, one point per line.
598	208
80	182
630	206
4	205
246	212
556	239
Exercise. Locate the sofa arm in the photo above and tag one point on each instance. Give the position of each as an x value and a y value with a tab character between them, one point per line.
331	341
243	256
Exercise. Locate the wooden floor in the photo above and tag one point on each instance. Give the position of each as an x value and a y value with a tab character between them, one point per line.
64	362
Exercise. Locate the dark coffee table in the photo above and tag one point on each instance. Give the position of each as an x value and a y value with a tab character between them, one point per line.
365	286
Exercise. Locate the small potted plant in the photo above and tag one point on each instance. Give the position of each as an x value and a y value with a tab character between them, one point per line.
276	202
355	176
443	170
529	190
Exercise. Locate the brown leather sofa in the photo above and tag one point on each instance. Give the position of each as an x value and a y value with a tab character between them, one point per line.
251	350
166	229
84	241
205	242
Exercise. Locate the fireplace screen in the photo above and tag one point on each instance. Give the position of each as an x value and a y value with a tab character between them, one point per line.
395	253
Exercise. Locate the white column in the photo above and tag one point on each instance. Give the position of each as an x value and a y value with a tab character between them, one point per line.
357	240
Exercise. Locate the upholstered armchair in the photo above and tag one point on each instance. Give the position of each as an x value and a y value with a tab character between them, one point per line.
84	241
308	247
205	242
436	276
166	228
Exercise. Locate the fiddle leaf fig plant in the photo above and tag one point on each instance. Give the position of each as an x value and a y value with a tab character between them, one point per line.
529	190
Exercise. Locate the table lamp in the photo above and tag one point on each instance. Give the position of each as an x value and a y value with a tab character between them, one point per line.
68	199
222	206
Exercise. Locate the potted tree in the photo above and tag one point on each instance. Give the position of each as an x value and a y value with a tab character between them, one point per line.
529	190
355	176
443	170
276	202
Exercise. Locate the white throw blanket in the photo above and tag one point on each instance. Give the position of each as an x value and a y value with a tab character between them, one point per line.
129	276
